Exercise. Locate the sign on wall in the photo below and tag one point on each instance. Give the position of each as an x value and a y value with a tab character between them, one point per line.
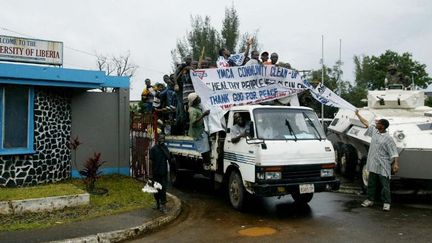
17	49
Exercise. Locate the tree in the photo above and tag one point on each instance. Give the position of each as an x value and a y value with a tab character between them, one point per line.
355	95
104	64
118	65
230	28
204	36
123	66
371	71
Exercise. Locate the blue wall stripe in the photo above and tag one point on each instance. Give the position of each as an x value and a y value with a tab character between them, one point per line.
44	75
107	171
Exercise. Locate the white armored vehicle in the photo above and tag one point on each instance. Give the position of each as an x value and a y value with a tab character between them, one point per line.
410	127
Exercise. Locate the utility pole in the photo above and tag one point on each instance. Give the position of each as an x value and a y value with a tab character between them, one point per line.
322	76
339	68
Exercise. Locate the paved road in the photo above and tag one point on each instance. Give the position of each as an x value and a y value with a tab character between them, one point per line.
329	217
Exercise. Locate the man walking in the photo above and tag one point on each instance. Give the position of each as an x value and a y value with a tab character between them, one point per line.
382	160
159	159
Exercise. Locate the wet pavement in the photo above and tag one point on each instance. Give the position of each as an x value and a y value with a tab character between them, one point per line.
329	217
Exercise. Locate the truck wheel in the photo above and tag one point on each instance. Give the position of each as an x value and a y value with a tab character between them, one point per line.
174	176
302	198
348	161
236	190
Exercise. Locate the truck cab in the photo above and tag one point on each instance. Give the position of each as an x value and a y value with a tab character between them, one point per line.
285	152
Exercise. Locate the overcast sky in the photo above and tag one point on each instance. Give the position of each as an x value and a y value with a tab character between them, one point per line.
293	29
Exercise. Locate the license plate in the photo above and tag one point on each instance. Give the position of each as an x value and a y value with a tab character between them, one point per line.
307	188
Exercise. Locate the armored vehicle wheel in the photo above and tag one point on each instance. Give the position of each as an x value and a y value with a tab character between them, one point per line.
337	150
236	190
348	161
302	198
364	177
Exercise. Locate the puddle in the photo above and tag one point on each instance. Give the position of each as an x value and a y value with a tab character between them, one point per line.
257	231
350	205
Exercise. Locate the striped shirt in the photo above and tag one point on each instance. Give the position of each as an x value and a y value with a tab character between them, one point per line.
382	150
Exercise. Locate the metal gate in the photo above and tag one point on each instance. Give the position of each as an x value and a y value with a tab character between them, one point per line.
141	135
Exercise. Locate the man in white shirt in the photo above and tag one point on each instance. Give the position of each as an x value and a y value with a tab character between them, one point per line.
254	59
240	129
382	161
226	59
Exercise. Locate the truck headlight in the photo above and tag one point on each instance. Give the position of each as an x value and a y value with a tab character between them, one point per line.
269	173
327	172
273	175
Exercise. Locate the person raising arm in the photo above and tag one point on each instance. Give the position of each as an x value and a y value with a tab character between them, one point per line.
362	119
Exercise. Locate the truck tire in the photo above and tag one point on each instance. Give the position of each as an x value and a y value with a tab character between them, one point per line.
348	161
236	191
173	176
174	173
302	198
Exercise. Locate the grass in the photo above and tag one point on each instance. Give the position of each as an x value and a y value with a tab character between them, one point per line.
49	190
124	195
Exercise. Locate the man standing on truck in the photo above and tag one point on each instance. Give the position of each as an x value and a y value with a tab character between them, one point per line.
265	58
254	59
159	159
382	161
226	59
196	127
274	57
182	87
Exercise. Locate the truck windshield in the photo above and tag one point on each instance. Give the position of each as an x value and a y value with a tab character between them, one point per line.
287	124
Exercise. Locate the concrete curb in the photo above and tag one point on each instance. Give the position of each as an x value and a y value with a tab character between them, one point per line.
124	234
43	204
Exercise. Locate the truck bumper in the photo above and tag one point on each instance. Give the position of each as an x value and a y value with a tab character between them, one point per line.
268	190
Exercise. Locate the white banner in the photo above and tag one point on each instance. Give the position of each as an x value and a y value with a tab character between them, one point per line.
242	85
221	88
327	97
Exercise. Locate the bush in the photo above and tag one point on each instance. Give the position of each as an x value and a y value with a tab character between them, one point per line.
91	171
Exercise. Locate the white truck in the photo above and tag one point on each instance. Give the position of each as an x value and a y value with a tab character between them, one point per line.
286	152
